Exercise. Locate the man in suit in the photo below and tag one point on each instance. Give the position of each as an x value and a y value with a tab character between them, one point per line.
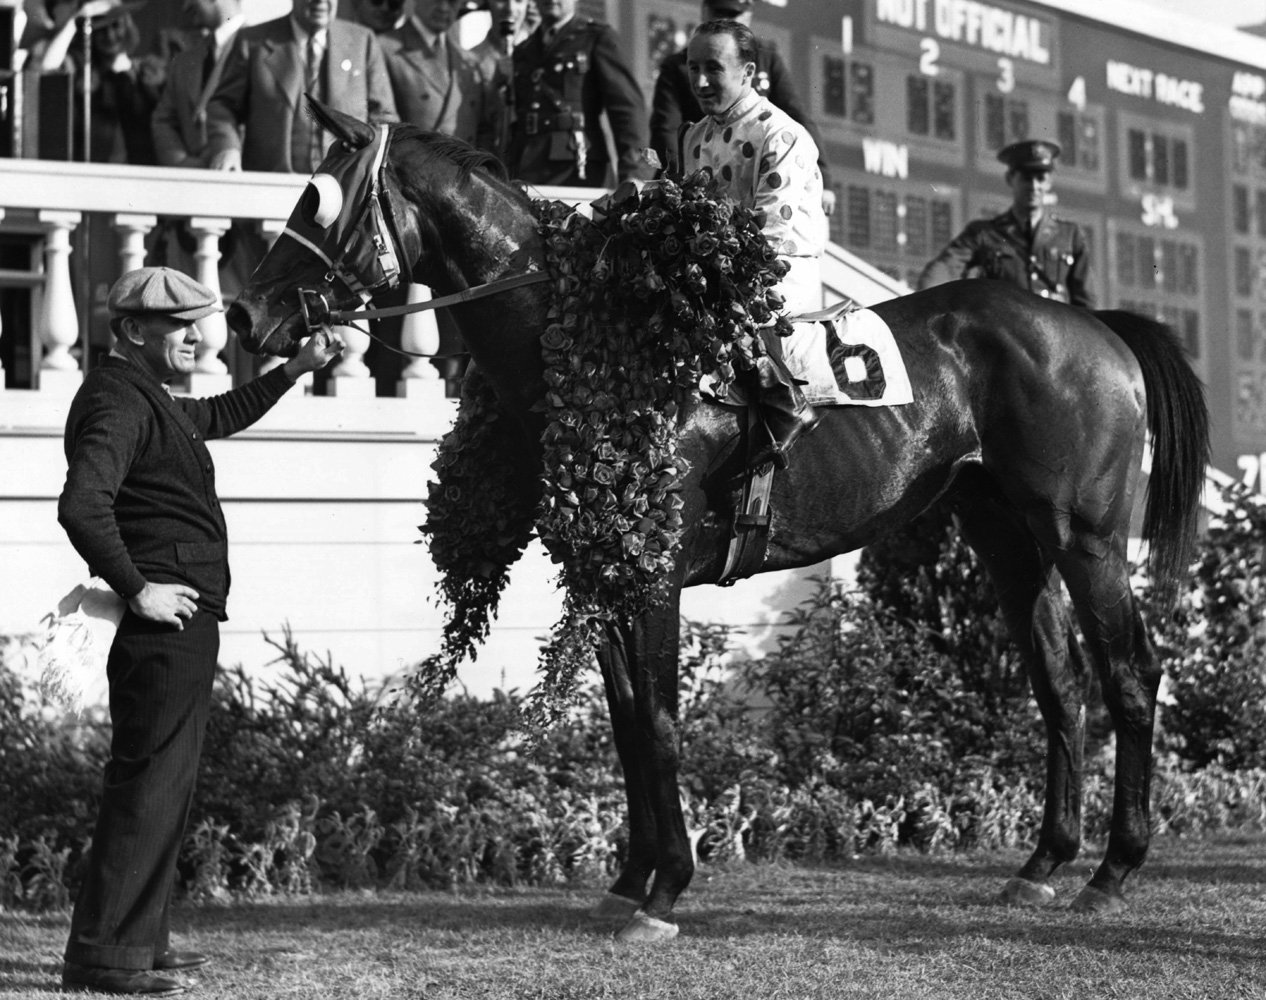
180	120
380	15
438	86
512	22
140	507
1025	245
271	66
565	75
673	103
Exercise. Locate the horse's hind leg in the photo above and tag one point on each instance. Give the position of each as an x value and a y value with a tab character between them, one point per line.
628	892
1032	605
1097	577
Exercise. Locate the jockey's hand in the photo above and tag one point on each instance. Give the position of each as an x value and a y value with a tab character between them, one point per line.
828	201
165	602
316	352
227	159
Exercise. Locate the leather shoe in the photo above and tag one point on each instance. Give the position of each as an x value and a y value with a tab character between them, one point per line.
95	979
179	960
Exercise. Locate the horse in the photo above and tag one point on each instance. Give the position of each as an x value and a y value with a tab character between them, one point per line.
1030	417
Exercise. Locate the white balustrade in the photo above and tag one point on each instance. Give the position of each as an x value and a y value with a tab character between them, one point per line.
421	335
210	373
58	321
132	230
270	229
351	376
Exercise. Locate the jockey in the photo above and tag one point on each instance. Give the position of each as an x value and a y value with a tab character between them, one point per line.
763	159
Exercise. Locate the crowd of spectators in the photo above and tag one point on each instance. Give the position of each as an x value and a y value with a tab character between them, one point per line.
217	93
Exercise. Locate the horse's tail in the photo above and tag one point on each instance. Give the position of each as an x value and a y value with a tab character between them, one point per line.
1178	419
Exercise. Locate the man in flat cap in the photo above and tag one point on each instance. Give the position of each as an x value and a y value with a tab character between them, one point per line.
1026	245
140	507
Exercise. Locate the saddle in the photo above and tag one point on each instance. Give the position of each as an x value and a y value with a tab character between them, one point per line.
749	528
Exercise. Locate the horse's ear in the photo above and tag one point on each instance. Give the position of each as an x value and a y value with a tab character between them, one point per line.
354	132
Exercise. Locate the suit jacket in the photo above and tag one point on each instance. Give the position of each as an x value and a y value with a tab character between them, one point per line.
262	89
453	96
180	130
674	104
560	91
1054	264
139	504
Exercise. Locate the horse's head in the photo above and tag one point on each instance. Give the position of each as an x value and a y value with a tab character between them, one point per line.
337	249
379	209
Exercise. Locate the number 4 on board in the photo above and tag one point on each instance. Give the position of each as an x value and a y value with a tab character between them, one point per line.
1077	94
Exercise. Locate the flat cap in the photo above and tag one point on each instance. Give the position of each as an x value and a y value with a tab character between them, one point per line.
1031	154
729	6
162	290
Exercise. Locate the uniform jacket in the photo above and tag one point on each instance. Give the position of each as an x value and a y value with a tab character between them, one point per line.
180	130
1055	265
262	89
453	96
674	103
139	504
559	92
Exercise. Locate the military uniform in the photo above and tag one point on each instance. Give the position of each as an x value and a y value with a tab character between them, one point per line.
560	90
1053	261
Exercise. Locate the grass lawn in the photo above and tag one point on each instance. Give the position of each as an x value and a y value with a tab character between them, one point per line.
906	927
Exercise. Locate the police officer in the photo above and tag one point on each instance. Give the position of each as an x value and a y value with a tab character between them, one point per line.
565	75
673	102
1025	245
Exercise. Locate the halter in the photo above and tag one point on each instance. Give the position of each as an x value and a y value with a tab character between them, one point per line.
315	302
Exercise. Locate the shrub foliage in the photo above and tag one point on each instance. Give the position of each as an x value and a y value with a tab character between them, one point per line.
893	715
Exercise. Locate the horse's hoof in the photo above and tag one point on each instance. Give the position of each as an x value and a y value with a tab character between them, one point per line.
1022	892
644	929
612	905
1092	899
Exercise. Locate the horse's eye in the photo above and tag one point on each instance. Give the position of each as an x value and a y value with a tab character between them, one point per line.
322	201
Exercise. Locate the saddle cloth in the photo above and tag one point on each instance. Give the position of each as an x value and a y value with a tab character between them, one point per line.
847	357
843	356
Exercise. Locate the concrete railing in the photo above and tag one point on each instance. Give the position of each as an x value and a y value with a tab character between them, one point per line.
51	200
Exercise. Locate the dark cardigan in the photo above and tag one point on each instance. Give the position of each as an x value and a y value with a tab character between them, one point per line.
139	503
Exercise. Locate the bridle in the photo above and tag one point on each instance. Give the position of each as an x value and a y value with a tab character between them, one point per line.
315	302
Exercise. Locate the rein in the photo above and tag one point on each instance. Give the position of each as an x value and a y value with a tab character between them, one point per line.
475	292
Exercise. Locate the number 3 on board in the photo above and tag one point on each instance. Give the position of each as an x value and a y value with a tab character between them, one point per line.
1006	76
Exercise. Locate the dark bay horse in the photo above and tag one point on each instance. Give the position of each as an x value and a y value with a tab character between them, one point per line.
1029	416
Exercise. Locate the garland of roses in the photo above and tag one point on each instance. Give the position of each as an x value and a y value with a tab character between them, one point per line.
478	524
664	286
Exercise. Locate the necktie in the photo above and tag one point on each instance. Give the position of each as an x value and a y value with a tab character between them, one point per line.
312	80
208	61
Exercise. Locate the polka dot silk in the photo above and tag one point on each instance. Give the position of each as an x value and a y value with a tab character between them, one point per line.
765	159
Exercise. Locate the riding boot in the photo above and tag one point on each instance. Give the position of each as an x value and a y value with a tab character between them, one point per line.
784	411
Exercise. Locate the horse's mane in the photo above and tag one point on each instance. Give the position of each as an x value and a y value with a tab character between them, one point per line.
465	157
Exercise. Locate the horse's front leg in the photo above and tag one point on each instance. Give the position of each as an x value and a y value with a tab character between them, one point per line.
652	643
628	892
